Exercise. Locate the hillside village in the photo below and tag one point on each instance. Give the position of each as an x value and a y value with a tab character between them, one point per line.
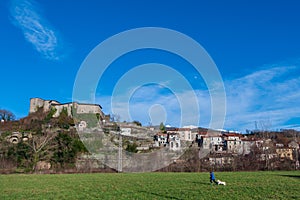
61	137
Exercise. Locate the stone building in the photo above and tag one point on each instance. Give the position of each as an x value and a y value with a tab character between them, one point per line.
79	108
36	103
285	153
184	134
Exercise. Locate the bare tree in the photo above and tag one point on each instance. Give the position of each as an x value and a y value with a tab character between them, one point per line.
40	146
6	115
265	125
115	118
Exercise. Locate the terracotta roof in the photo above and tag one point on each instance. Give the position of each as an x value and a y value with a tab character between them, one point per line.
232	134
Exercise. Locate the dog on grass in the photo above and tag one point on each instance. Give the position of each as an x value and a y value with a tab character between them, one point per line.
221	182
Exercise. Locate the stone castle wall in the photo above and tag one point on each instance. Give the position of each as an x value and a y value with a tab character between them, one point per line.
36	103
87	108
60	107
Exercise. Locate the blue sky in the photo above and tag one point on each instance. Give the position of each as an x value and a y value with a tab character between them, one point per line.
254	44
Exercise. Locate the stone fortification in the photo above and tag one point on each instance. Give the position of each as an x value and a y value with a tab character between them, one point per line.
79	108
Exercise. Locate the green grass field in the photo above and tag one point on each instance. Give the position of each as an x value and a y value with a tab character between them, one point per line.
240	185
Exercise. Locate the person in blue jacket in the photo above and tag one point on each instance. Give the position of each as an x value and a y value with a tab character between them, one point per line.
212	177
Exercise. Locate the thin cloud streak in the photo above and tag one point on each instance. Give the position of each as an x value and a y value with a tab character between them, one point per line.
37	31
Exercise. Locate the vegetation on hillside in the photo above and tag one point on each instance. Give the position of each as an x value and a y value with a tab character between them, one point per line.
49	140
52	143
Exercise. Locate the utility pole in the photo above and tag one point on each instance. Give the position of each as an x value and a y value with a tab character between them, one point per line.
297	149
120	151
256	128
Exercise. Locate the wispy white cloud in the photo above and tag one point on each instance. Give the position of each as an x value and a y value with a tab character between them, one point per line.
27	16
268	97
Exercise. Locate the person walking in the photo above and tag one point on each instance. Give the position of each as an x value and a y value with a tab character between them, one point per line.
212	177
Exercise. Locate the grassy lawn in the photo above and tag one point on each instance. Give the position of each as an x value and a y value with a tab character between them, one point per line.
240	185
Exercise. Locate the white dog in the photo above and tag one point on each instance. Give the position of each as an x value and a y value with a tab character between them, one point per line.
221	182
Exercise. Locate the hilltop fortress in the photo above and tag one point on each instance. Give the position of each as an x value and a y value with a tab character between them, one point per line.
79	108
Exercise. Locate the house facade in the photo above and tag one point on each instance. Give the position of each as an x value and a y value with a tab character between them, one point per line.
183	133
285	153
